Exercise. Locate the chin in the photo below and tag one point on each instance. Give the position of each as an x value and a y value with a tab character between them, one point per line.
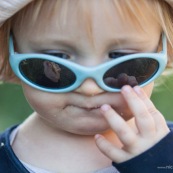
90	129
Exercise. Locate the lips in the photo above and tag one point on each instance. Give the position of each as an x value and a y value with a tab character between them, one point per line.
91	103
82	110
85	108
90	109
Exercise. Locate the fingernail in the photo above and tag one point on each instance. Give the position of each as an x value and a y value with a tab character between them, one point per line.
126	89
137	89
97	136
105	108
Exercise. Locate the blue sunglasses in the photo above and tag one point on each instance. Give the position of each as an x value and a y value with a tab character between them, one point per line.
54	74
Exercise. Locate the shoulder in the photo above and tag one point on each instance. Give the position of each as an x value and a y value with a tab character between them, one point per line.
170	124
9	163
4	136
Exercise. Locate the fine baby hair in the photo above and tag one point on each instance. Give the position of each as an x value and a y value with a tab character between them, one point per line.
161	11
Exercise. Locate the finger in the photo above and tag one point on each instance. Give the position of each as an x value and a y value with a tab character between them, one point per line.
159	119
126	135
144	121
114	153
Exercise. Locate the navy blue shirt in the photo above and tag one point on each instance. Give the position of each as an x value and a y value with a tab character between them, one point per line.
158	159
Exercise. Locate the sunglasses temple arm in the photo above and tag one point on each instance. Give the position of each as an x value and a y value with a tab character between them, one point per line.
164	43
11	45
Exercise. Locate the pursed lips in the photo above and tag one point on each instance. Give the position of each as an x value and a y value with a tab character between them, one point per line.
84	107
95	102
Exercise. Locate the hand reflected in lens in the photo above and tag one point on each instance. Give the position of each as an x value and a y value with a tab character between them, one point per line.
111	82
132	81
52	71
121	80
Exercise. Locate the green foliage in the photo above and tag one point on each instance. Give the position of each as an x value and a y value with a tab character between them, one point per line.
13	105
163	94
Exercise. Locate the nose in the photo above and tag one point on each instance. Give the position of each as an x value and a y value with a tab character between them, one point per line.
89	88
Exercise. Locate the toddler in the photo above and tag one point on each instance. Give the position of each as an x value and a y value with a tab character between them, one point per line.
87	69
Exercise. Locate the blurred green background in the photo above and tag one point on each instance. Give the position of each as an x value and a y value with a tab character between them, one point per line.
14	107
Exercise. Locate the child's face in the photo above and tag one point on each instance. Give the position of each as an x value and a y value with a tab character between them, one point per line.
78	111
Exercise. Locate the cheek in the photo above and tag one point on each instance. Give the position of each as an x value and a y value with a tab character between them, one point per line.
148	89
42	102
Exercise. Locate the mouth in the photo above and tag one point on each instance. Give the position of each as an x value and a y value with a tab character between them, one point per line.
87	108
82	108
90	108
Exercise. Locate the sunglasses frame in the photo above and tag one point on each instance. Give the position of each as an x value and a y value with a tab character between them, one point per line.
82	72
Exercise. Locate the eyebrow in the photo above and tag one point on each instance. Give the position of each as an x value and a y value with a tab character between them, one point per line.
49	42
135	43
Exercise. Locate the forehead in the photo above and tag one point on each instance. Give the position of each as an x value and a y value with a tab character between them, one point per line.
86	16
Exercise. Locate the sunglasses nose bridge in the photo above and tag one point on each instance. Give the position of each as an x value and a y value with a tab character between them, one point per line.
91	72
88	81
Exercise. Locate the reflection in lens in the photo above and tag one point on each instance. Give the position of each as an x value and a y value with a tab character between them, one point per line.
52	71
46	73
132	72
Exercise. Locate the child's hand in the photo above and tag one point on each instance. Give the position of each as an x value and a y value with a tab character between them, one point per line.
149	121
9	7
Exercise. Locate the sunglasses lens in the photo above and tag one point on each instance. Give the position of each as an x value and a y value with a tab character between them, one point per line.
132	72
47	74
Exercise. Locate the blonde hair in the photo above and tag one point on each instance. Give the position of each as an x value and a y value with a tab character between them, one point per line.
162	12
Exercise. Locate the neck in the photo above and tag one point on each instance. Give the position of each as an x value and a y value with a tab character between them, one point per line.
37	141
